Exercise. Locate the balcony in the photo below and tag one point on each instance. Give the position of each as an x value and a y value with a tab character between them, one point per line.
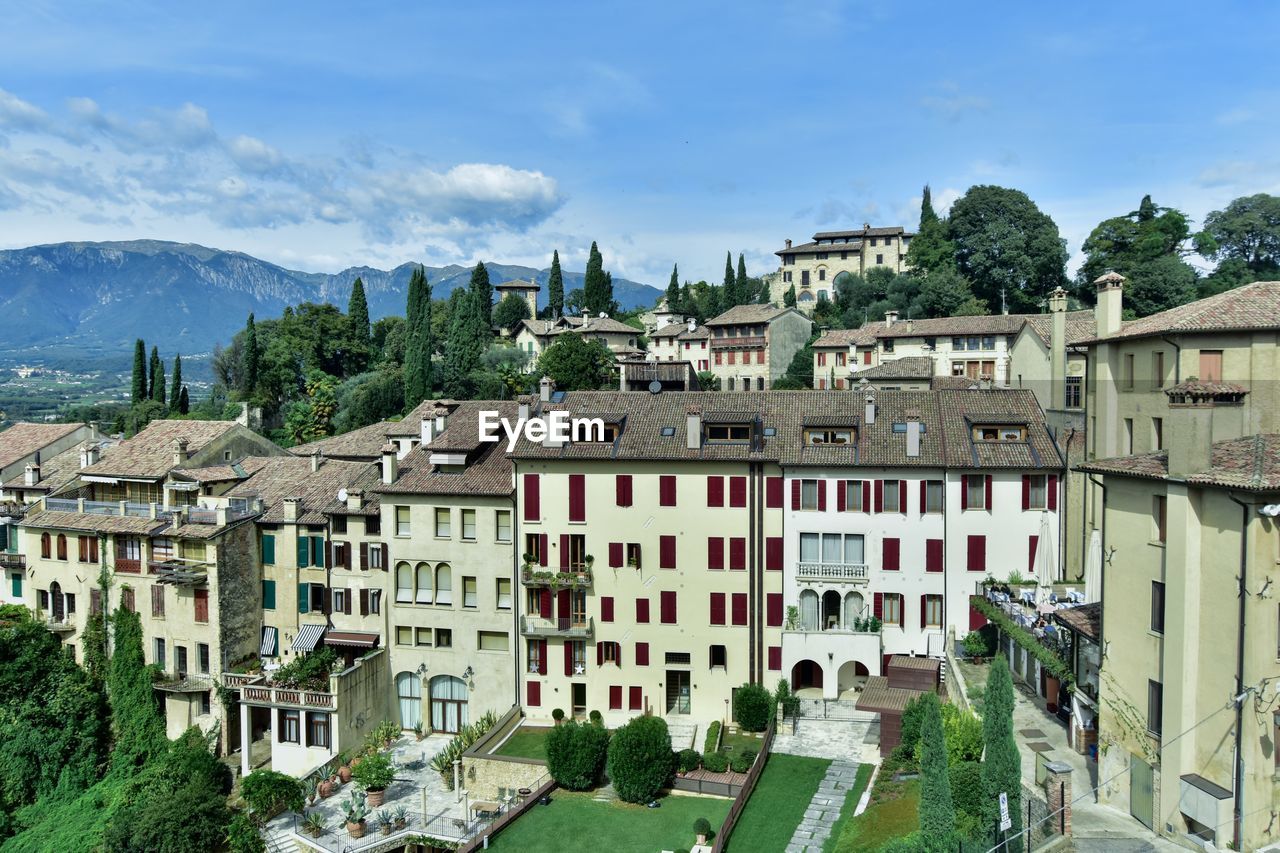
60	626
839	572
124	509
582	628
131	567
12	561
574	578
349	689
287	697
236	680
747	342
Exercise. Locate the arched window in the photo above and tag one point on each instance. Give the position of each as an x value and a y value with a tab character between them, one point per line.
853	607
448	704
809	610
806	296
62	546
46	545
404	583
444	584
57	604
424	584
409	690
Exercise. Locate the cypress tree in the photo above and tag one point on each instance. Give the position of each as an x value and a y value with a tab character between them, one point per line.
157	376
184	402
555	287
729	292
483	293
468	337
930	249
596	292
361	344
139	372
937	812
417	350
252	358
610	307
743	283
789	298
673	289
176	388
1001	763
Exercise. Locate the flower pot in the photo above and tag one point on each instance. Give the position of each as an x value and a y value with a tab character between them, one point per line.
325	789
401	823
355	762
386	829
702	840
419	735
344	773
375	797
356	830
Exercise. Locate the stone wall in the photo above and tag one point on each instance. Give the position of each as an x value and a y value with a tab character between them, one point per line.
483	775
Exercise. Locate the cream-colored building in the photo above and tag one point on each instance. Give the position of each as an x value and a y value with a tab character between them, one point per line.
534	336
684	341
812	267
753	345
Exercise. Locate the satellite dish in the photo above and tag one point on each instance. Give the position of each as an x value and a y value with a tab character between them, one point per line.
655	387
342	495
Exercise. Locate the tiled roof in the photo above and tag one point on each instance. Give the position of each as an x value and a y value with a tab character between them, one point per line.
1082	326
670	330
1252	307
814	246
1085	619
539	328
94	523
58	472
149	454
1147	465
222	473
291	476
877	695
1251	463
488	470
411	424
24	438
864	335
911	367
953	383
887	231
742	315
364	443
981	324
600	325
517	284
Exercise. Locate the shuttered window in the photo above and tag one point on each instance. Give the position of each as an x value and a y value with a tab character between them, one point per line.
667	490
532	498
577	497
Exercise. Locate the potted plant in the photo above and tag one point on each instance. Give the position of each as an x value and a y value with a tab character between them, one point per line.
309	787
375	774
324	788
344	773
793	618
702	828
314	824
590	561
417	730
975	646
557	715
402	816
385	822
356	810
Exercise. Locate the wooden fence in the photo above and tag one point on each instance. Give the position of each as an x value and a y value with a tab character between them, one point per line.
481	839
740	802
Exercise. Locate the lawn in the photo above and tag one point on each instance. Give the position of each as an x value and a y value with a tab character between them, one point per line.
778	802
526	742
882	822
578	821
732	742
850	805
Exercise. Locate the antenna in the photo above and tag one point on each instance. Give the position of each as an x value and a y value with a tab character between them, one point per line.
342	495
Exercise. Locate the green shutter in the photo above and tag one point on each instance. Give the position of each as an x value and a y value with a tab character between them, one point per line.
317	551
268	548
304	595
17	586
4	537
304	552
268	595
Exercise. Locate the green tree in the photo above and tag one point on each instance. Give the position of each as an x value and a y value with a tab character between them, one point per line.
184	401
937	813
597	285
136	724
368	398
418	345
252	360
482	291
577	364
1002	765
1006	247
640	759
175	390
741	280
555	287
945	293
1159	285
1247	229
359	342
576	754
673	289
510	311
789	298
155	390
930	250
1145	246
751	707
139	372
729	288
469	336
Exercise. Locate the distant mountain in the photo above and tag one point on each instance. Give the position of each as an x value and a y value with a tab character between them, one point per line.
86	297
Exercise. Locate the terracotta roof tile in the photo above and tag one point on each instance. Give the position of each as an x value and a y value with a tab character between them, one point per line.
1081	327
1251	463
1085	619
290	476
24	438
1251	307
911	367
748	314
487	471
149	454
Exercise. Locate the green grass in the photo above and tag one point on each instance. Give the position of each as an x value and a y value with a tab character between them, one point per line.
576	820
850	804
881	823
778	803
526	742
732	742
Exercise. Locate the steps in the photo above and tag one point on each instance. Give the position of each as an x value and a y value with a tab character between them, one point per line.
683	733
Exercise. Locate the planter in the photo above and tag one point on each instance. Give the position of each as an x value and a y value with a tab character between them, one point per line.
702	840
355	762
344	773
325	789
401	823
375	797
356	830
385	829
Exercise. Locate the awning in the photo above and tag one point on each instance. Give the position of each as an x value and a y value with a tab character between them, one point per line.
356	639
270	638
307	638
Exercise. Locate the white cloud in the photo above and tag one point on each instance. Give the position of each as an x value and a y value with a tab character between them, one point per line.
952	104
18	114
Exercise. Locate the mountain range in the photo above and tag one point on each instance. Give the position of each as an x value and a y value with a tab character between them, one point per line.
82	298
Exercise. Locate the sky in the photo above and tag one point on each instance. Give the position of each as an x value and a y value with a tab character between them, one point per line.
323	135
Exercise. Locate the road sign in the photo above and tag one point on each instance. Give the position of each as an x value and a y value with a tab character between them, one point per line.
1005	823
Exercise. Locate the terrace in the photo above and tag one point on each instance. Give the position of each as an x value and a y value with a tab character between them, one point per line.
567	627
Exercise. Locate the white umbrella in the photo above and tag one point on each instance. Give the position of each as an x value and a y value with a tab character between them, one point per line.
1093	569
1046	568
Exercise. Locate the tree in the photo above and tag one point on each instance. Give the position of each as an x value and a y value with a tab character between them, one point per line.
673	289
1159	285
359	343
1001	765
368	398
252	360
577	364
930	250
184	402
945	293
640	759
555	287
139	372
799	375
729	289
482	292
1006	247
510	311
469	336
937	813
576	754
155	390
417	340
740	279
269	792
1145	246
751	706
597	286
175	390
136	724
789	298
1248	229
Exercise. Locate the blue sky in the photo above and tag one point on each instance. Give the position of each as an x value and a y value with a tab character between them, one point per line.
324	135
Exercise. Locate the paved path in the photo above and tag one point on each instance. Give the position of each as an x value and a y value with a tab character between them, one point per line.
824	808
836	739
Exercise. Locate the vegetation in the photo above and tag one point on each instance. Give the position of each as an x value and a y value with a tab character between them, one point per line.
937	813
374	772
597	286
883	823
688	760
851	799
526	742
1001	765
1049	659
267	793
752	705
1146	246
310	671
778	802
442	761
577	364
715	762
418	347
711	741
555	287
576	754
640	759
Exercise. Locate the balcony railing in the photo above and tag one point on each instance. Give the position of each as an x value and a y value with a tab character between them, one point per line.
568	627
236	680
12	561
60	626
832	571
132	567
266	695
739	342
580	577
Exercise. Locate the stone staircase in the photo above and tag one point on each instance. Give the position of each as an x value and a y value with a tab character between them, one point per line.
684	733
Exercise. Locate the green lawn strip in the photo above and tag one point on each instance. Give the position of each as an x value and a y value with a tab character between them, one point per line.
574	820
732	742
850	804
882	822
778	803
526	742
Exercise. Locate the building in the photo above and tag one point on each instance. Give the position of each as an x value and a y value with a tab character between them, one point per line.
526	290
670	376
911	373
534	336
26	444
683	341
811	268
1039	356
753	345
661	316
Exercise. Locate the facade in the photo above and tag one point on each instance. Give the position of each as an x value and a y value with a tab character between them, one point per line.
26	444
812	267
526	290
534	336
684	341
753	345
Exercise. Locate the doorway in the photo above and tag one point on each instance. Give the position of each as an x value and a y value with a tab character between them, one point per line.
1141	791
578	695
448	704
678	696
56	602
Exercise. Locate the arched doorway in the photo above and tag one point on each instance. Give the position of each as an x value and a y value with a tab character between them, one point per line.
806	674
830	610
448	704
854	605
57	605
808	610
852	676
409	691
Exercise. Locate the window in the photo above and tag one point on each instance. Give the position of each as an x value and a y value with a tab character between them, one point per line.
892	608
444	584
1075	392
339	524
718	657
892	496
289	732
933	494
180	660
422	590
668	605
534	659
987	432
341	601
577	551
1157	369
633	555
402	521
667	490
609	653
268	549
1157	433
888	344
493	641
809	494
422	637
828	436
1037	486
932	615
202	658
404	635
577	497
470	597
1128	435
62	547
975	492
533	548
157	599
469	525
1155	707
1210	365
373	525
822	274
304	597
206	706
404	583
879	258
853	490
502	524
504	593
158	654
443	530
201	602
444	638
728	432
318	729
1128	371
1157	607
1159	516
375	601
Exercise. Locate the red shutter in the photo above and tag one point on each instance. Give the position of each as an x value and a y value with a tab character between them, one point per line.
606	608
542	657
600	653
544	549
715	553
902	496
877	605
82	542
933	555
822	495
773	493
386	563
892	554
615	554
642	654
879	496
737	491
622	486
795	494
902	610
564	552
976	620
615	697
773	553
964	491
924	496
364	556
533	694
667	490
775	657
738	553
739	608
1053	493
642	610
866	495
532	501
923	611
544	603
562	604
668	606
988	493
617	655
568	658
840	485
773	609
636	699
1031	552
1026	492
715	491
717	608
666	552
977	553
202	605
577	497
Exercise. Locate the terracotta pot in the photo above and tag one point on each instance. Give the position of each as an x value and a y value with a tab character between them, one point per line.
400	824
325	789
356	830
355	762
375	798
702	840
344	773
386	829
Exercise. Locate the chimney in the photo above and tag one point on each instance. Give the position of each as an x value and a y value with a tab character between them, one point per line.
788	242
890	317
355	499
522	412
870	415
31	476
179	451
913	435
428	430
317	459
1058	349
1191	439
693	428
866	226
545	387
90	453
693	324
291	507
390	464
442	418
1106	311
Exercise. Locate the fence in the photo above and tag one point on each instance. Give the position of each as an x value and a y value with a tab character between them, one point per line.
740	802
493	826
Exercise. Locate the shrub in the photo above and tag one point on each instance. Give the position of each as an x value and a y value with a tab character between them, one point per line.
715	762
702	827
789	701
975	645
751	707
576	754
712	741
937	814
740	762
374	772
557	715
963	731
966	794
311	671
640	759
688	759
442	761
267	793
912	718
597	719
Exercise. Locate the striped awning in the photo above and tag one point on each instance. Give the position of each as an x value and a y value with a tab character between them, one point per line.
270	641
308	637
356	639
